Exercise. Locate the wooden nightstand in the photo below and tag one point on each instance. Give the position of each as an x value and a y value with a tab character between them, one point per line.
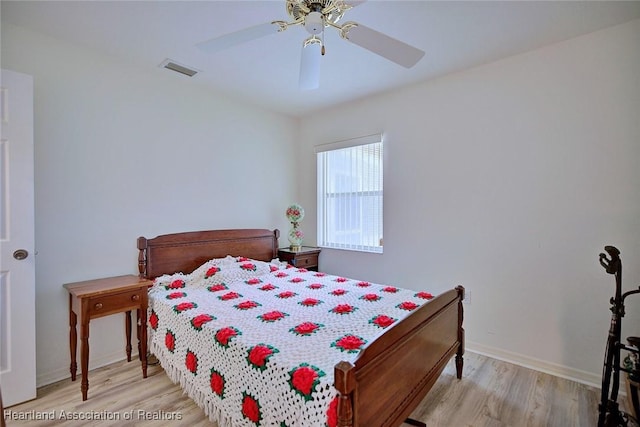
101	297
307	257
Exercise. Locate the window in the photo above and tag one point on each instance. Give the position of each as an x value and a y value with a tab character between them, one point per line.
350	194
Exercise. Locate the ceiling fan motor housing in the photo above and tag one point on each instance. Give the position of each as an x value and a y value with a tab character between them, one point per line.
313	23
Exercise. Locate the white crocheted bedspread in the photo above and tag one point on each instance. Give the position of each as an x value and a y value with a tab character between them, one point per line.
255	343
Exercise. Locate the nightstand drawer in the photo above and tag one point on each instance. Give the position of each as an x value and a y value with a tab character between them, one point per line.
115	303
306	261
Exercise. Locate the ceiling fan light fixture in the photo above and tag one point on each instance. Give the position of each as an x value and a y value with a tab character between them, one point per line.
314	23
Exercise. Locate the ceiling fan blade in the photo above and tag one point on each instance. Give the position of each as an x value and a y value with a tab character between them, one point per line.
238	37
310	66
382	44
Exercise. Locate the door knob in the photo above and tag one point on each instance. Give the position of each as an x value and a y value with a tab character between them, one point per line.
20	254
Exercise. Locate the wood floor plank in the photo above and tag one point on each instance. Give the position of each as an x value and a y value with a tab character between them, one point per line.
491	393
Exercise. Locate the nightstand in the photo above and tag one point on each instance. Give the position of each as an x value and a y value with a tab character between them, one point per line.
101	297
307	257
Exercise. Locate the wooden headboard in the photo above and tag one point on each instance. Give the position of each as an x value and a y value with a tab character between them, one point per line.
184	252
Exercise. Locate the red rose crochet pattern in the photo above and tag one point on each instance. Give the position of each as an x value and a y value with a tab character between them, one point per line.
246	305
281	274
407	305
382	321
200	320
349	343
176	295
390	289
286	294
341	279
229	295
224	335
170	341
217	383
153	320
332	413
304	378
259	355
248	266
297	280
211	272
191	362
272	316
218	287
343	309
184	306
370	297
363	284
253	281
306	328
424	295
310	302
176	284
339	292
267	287
251	408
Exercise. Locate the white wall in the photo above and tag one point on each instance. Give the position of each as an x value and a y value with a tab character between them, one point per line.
509	178
122	152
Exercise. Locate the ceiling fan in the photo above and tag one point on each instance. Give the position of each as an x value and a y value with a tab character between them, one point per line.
314	16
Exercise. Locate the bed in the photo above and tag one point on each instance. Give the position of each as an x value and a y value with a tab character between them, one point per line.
378	381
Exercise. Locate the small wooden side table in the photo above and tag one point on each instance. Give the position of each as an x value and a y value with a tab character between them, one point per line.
101	297
306	257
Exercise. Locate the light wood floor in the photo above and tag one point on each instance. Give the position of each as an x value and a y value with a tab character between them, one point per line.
491	393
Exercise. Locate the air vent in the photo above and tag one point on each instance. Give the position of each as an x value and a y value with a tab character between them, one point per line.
178	68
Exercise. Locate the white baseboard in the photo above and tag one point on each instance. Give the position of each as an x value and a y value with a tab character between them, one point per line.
64	373
577	375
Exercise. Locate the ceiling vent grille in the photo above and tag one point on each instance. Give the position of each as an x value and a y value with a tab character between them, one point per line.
178	68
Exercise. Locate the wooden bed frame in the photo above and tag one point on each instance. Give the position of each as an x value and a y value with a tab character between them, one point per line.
391	375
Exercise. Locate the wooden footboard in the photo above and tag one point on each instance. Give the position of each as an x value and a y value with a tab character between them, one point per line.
394	373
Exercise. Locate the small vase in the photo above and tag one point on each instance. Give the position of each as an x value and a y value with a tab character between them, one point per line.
295	238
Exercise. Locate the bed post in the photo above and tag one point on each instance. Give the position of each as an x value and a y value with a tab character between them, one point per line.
460	352
344	382
142	258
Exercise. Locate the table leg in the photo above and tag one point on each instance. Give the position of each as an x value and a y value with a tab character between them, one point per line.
73	339
142	339
127	330
84	350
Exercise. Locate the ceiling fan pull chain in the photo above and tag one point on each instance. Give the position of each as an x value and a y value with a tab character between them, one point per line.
322	49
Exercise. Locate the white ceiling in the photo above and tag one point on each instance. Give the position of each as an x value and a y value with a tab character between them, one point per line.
454	34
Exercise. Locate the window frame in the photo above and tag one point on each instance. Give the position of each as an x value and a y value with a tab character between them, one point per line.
358	196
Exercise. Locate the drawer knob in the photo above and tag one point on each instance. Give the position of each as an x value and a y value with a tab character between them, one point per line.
98	306
135	298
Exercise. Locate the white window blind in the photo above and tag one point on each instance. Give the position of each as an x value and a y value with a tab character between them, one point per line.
350	194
